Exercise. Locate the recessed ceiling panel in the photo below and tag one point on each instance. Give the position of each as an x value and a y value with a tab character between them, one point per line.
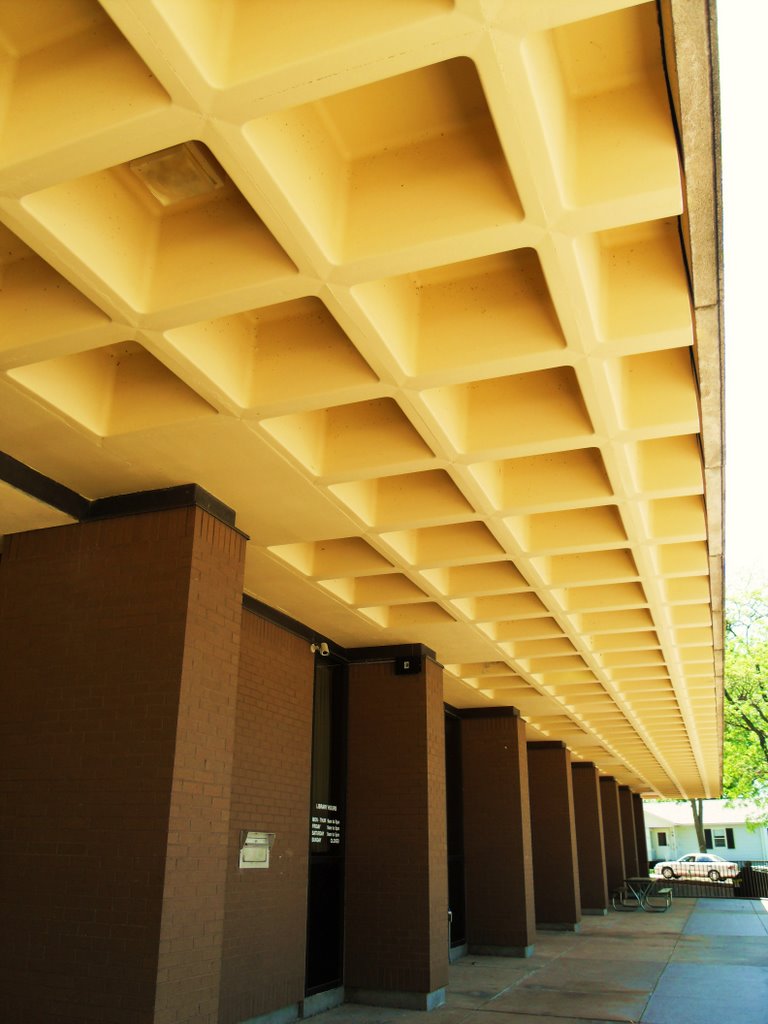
527	410
501	301
113	390
288	352
384	165
405	285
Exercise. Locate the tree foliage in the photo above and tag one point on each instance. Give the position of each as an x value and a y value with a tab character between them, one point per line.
745	763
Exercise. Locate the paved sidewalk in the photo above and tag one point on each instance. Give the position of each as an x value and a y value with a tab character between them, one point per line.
704	961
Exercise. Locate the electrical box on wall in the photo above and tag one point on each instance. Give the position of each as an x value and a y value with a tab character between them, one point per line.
254	849
409	666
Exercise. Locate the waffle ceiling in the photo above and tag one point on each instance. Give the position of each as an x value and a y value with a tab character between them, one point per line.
411	286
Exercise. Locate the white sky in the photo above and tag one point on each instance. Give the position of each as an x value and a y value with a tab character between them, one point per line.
743	29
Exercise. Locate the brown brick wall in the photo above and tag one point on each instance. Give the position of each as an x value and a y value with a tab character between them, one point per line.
614	847
589	836
97	651
642	844
629	839
192	925
497	833
396	860
265	921
555	867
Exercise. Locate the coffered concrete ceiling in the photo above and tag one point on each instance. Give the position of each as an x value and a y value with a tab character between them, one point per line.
428	292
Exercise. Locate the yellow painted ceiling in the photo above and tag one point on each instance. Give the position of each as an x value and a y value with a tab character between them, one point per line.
406	284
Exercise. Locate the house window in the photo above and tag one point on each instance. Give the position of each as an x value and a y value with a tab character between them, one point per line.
661	838
719	836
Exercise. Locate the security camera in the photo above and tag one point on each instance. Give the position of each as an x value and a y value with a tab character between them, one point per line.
322	649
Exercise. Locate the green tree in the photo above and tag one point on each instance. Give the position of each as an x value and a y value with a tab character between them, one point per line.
745	752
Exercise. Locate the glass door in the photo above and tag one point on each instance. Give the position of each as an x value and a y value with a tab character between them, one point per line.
455	828
325	907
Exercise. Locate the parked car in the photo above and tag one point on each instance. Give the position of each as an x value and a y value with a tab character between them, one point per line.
698	865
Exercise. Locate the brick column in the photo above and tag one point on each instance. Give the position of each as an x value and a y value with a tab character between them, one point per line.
265	923
590	841
120	641
498	853
396	855
628	830
614	845
642	845
555	867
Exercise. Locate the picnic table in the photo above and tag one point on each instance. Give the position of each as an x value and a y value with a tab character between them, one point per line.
642	892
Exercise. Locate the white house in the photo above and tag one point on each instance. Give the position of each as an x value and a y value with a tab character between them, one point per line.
671	834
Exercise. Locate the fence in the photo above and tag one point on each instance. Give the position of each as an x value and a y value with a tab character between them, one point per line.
719	880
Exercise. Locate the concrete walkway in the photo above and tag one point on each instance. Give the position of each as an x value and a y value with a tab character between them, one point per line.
704	961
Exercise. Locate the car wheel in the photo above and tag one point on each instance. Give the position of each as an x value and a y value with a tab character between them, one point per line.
714	875
668	872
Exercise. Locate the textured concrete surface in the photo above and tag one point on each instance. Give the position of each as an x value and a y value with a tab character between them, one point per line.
703	960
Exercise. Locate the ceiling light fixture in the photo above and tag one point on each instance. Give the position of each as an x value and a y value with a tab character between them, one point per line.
179	172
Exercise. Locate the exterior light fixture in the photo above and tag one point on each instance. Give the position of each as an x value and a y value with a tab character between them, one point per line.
179	172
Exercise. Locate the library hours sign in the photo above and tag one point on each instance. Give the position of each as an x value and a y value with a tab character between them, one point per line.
326	827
